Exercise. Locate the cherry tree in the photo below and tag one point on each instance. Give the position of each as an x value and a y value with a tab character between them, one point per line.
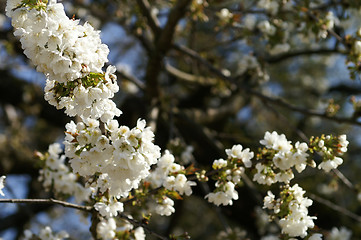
182	119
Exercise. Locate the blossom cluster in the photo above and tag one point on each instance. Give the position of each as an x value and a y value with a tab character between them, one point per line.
330	148
45	234
117	160
171	175
109	228
112	159
229	175
69	54
56	175
88	97
292	209
109	207
278	157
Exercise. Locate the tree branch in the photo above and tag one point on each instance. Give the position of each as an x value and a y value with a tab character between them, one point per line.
193	54
152	20
304	111
252	92
285	56
48	201
335	207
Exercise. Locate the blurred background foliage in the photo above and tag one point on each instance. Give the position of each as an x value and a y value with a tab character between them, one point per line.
209	82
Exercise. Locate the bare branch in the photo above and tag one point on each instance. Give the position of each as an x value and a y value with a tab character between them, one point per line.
48	201
152	20
189	77
265	98
131	78
344	179
304	111
285	56
335	207
193	54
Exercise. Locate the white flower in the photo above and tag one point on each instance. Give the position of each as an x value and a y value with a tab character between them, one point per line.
124	158
106	229
266	28
250	21
225	14
45	234
2	179
328	165
236	152
357	47
297	221
276	142
264	175
218	164
270	237
10	6
57	175
165	207
247	62
316	236
109	210
268	200
225	196
343	143
67	53
339	234
180	184
139	233
270	5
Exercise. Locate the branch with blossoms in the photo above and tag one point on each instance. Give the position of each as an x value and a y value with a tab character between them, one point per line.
116	171
274	164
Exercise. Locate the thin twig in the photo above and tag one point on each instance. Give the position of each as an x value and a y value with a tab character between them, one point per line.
131	78
285	56
147	12
48	201
344	179
261	96
335	207
304	111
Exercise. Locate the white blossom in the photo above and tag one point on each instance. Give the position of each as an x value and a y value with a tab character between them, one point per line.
123	156
169	174
58	175
106	229
238	152
343	143
297	221
339	234
46	233
270	6
266	28
139	233
68	54
328	165
109	210
225	196
165	207
316	236
2	185
218	164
